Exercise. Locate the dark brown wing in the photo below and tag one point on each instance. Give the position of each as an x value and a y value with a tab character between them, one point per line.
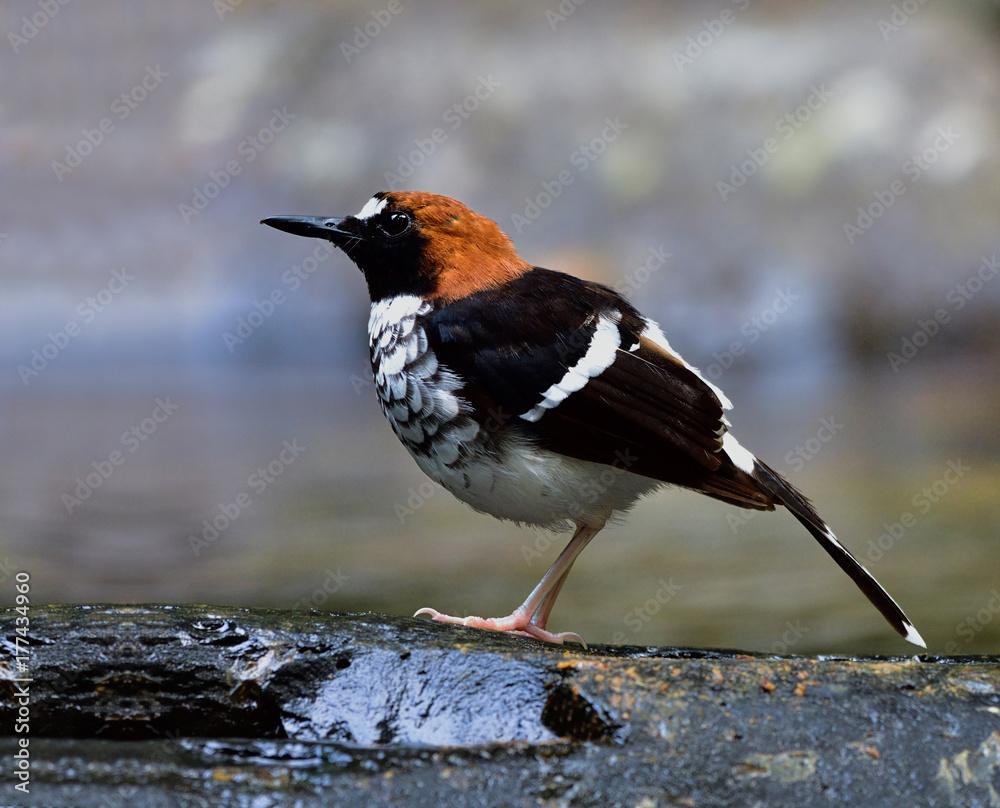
645	410
655	417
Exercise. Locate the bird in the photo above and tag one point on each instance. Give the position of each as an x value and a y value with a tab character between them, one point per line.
538	397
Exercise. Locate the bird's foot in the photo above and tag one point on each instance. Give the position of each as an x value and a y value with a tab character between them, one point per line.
517	623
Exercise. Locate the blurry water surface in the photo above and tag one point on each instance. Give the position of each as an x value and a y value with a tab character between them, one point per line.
185	410
285	488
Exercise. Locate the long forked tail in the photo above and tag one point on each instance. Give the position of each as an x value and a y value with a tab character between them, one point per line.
778	487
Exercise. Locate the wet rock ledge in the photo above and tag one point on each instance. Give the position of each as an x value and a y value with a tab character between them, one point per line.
196	705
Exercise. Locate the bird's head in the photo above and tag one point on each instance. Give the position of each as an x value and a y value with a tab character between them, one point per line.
411	242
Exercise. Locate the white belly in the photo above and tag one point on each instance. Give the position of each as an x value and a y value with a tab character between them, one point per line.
537	487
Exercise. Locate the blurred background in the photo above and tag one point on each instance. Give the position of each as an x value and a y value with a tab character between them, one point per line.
804	195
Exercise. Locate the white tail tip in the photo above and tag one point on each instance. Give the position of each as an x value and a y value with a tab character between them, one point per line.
912	635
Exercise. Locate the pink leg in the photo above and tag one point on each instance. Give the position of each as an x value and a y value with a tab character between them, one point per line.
541	616
531	616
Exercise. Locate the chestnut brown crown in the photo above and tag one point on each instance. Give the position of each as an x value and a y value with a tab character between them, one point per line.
413	242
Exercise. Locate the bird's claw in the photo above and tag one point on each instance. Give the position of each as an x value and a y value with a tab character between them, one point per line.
512	624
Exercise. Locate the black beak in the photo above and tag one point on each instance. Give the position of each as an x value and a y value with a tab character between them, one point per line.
313	227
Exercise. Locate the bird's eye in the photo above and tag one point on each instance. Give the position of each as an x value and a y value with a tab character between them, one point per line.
395	223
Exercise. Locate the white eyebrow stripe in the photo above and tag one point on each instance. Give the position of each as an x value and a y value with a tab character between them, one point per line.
373	207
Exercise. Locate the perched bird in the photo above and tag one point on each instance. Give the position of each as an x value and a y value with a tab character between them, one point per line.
538	397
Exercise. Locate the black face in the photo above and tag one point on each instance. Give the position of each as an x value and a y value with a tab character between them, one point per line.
386	246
